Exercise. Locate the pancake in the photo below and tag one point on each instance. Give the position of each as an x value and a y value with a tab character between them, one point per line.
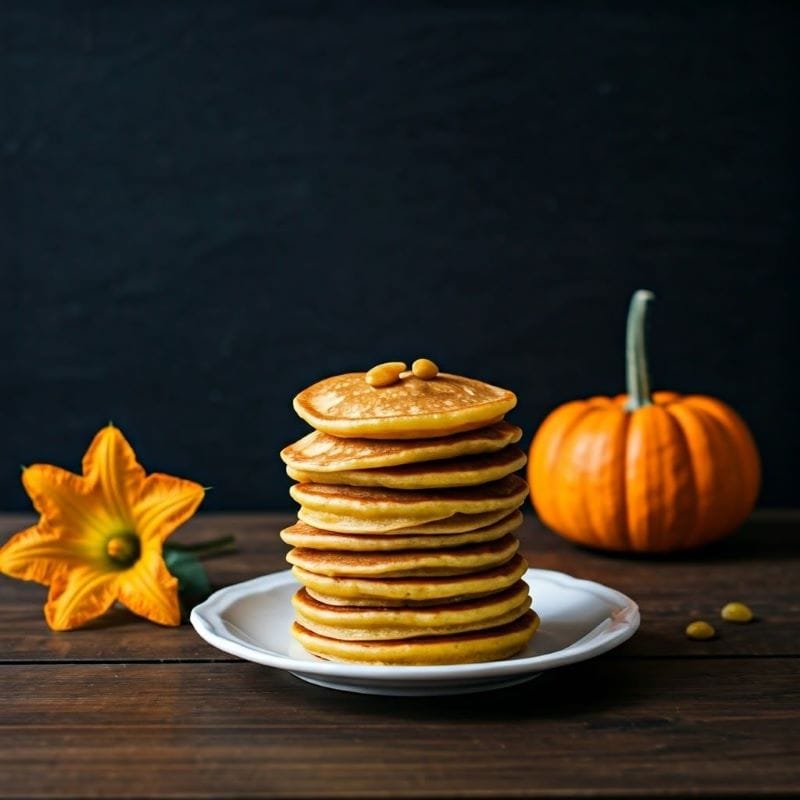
412	408
348	524
377	503
491	644
304	535
321	452
410	591
458	523
367	623
449	473
406	563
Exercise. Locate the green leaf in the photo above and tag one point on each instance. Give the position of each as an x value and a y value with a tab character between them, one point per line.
193	585
220	546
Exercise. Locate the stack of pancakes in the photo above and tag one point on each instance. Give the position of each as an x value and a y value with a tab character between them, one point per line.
408	502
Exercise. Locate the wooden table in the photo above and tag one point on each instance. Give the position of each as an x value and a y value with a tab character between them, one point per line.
128	709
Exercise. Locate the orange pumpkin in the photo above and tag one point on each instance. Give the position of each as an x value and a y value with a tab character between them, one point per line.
641	472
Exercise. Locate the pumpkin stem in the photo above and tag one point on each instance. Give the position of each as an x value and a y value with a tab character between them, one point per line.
635	352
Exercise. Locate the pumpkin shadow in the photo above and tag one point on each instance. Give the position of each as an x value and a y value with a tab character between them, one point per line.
764	537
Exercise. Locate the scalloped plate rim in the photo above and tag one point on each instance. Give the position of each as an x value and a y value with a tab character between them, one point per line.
208	620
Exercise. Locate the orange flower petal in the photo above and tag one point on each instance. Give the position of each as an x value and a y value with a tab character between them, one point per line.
80	515
110	465
79	596
35	556
164	503
149	590
66	503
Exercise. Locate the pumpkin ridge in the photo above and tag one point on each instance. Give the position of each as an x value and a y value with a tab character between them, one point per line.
622	484
688	460
603	489
558	472
728	485
683	483
656	484
597	444
737	500
748	456
548	440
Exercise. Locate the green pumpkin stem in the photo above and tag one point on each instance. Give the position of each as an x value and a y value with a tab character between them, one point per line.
638	378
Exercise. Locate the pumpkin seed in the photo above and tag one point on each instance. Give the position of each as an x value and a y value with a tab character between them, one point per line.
385	374
425	369
700	629
736	612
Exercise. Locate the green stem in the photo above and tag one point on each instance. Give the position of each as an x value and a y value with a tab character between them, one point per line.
216	547
638	377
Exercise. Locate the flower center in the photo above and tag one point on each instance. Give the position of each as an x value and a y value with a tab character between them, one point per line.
123	549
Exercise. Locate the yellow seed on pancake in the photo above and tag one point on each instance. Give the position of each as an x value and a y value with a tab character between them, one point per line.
425	369
385	374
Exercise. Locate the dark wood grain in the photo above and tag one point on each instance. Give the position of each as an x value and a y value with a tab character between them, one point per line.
237	730
128	709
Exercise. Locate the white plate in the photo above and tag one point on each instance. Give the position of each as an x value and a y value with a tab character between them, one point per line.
579	620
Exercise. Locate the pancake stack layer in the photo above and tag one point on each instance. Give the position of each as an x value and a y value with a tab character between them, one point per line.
405	543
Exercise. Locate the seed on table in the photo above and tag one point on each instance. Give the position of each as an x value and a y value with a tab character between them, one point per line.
385	374
736	612
700	629
425	369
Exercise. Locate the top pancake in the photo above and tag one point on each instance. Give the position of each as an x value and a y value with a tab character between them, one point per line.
321	452
347	406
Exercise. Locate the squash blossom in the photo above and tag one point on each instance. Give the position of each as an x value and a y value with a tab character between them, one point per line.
100	535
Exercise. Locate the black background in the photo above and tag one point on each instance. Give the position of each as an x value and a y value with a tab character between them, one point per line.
208	206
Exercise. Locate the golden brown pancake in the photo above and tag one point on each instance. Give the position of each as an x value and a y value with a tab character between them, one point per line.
463	471
346	406
376	503
491	644
370	623
406	563
410	591
458	523
321	452
349	524
303	535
